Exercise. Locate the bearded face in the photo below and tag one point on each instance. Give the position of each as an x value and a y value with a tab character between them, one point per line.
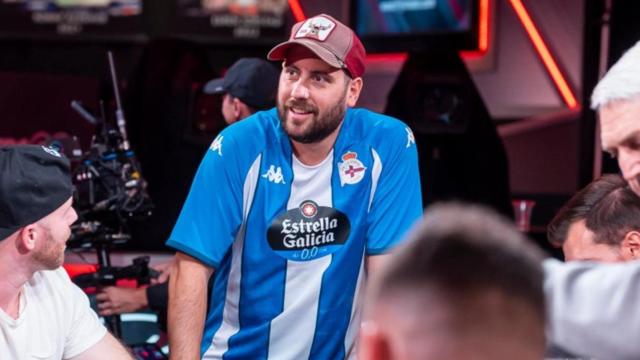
312	97
320	123
50	254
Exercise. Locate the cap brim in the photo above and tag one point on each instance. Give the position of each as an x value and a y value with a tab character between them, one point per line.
215	86
279	52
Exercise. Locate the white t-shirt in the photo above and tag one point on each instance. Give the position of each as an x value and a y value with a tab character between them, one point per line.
55	320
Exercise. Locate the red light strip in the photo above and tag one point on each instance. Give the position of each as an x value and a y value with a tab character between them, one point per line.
385	57
483	32
296	9
547	59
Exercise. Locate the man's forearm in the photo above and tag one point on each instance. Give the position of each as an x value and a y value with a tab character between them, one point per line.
109	348
187	307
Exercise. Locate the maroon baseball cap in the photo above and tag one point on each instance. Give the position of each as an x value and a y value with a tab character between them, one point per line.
332	41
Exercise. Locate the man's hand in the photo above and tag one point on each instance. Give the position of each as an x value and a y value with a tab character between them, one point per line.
164	268
117	300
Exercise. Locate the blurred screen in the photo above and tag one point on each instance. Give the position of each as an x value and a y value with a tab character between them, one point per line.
114	7
21	18
232	19
389	17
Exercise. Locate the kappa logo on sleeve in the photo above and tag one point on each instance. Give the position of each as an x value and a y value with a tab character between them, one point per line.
51	151
410	138
216	145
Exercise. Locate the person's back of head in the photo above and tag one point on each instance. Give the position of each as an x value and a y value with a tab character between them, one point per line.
249	85
600	222
467	284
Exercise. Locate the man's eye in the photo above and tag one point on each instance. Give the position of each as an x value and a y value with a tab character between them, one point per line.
318	78
612	154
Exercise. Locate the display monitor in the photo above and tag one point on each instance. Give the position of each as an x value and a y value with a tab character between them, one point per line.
72	19
416	25
234	22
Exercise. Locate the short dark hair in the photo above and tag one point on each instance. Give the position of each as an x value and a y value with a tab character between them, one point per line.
608	206
462	253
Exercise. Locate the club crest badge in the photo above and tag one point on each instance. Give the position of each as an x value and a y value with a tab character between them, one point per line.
351	169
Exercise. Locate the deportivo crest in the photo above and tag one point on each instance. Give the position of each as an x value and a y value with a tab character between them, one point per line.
318	28
351	169
308	232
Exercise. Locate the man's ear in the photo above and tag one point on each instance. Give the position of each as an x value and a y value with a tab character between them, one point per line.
240	109
27	238
630	245
353	91
374	345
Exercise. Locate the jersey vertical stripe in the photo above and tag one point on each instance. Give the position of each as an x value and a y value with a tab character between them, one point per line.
292	331
356	316
230	314
375	176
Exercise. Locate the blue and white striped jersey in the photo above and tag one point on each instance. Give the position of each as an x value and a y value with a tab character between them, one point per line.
288	241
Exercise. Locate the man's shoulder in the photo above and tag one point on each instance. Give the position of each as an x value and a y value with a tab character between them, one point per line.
374	121
257	125
379	130
248	137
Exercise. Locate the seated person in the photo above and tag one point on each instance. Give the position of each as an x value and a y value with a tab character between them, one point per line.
43	314
467	285
601	222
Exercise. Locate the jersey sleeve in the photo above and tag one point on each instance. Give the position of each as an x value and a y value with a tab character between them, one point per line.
85	328
397	200
212	212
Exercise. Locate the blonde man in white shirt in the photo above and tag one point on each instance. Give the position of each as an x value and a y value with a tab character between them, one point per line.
42	313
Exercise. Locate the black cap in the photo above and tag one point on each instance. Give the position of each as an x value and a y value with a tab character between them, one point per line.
34	181
254	81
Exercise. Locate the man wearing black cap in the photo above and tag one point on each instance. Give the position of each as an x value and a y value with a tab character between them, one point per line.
248	86
42	313
291	209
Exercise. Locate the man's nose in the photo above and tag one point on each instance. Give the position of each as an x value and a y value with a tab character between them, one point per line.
299	90
74	215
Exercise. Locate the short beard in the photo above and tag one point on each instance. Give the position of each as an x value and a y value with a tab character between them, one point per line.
51	255
321	127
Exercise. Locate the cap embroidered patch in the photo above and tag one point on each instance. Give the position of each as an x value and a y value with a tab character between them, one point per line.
318	28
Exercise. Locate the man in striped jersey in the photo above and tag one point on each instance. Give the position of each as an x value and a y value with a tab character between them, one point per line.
290	209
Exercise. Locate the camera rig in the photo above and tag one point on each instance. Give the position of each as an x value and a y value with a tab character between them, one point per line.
110	192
